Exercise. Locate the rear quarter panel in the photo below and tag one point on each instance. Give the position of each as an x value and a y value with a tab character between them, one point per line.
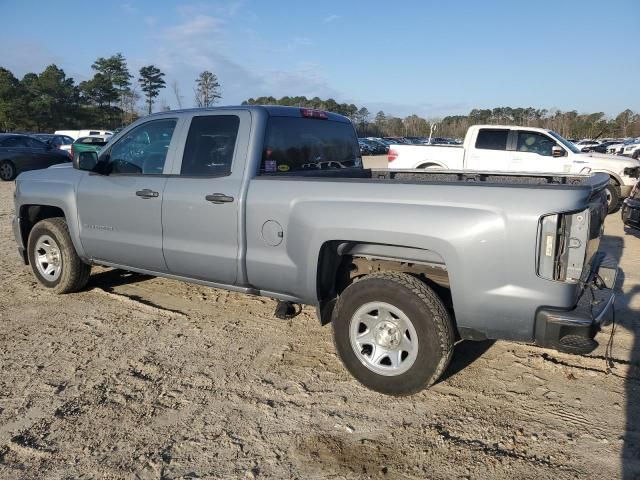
486	234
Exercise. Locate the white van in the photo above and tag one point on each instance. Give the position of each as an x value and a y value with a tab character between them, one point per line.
75	134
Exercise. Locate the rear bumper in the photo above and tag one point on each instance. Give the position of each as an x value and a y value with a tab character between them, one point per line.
631	212
573	330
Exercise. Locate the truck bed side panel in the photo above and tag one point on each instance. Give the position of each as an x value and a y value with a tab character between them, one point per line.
486	235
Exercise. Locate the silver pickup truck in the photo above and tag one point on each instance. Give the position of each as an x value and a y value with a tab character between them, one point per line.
274	201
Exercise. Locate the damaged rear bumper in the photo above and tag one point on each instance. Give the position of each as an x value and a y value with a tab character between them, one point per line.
573	330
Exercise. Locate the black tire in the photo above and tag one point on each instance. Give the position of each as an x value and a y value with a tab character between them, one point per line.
74	272
7	171
428	316
613	196
636	154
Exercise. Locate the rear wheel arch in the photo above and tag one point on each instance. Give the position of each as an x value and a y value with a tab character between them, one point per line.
341	263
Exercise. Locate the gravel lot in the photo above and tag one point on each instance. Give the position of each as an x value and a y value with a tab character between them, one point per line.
138	377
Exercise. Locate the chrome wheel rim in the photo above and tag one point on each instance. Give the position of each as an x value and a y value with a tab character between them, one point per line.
48	258
6	171
608	193
383	338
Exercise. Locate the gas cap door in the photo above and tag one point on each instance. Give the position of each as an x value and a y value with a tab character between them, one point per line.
272	233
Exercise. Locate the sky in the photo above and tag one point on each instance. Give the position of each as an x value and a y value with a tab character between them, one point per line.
431	58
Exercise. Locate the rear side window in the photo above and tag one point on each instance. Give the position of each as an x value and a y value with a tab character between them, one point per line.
210	145
492	139
295	144
15	142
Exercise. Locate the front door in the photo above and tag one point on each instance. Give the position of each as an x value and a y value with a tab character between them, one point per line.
203	197
120	210
534	150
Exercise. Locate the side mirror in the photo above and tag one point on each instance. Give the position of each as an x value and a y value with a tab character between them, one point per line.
85	161
557	151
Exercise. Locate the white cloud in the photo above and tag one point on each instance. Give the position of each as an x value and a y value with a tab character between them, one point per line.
200	43
331	18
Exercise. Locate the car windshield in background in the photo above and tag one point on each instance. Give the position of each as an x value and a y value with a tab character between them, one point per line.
565	142
296	144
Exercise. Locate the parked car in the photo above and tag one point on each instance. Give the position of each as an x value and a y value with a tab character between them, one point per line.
63	142
632	150
365	148
92	143
587	145
631	206
75	134
19	153
380	146
618	148
603	146
287	211
517	149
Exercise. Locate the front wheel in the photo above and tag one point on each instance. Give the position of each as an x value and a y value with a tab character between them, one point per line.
393	333
613	196
53	258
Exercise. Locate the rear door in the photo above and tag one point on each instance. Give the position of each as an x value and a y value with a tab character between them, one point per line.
490	150
120	210
203	198
20	153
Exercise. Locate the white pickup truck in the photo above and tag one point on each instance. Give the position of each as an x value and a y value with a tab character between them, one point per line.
519	149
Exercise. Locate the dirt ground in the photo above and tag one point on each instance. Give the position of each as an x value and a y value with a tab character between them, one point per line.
139	377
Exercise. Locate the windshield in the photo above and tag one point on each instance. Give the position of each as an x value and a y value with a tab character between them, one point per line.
566	143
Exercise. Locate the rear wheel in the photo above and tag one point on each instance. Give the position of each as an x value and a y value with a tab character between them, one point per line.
53	258
393	333
613	196
636	154
7	170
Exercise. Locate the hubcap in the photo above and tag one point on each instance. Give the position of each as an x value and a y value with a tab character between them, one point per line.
383	338
48	258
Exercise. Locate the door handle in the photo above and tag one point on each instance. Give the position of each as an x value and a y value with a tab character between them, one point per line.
146	193
219	198
579	161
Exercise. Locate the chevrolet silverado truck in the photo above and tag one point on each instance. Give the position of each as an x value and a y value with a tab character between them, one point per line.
274	201
518	149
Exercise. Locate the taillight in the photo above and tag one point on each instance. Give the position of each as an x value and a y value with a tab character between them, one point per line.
392	155
310	113
563	244
71	152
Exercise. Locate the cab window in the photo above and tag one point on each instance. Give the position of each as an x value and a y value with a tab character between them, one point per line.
143	150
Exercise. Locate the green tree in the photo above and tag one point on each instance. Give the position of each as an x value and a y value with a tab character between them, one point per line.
207	89
151	82
99	91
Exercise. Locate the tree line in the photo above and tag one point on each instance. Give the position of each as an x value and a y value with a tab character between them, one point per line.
570	124
50	100
111	98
